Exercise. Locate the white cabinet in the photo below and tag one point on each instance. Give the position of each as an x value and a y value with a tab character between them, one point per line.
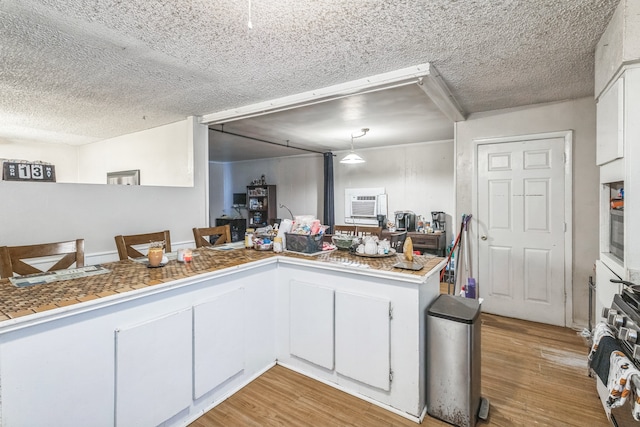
377	356
153	370
362	338
632	171
623	99
311	325
138	360
218	341
58	374
605	290
617	87
619	44
361	326
610	124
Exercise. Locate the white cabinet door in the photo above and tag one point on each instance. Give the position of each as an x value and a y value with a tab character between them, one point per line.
218	341
153	370
610	124
311	313
605	290
363	338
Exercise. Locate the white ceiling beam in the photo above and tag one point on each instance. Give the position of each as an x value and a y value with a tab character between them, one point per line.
434	86
422	73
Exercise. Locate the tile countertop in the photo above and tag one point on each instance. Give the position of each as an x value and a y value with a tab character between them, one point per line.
126	276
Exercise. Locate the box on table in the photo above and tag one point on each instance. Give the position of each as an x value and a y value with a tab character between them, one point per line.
305	243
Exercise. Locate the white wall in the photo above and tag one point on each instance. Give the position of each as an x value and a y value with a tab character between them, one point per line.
417	177
162	155
577	115
63	157
298	179
47	212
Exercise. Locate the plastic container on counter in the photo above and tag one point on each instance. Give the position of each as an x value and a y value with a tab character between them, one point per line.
248	238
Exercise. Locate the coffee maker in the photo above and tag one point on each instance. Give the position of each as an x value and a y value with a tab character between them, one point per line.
405	220
438	221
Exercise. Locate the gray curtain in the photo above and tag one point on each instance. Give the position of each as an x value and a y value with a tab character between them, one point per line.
329	208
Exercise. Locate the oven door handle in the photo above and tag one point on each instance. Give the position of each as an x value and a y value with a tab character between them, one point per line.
624	282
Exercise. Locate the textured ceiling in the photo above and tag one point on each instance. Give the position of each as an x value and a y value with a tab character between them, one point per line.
402	115
82	70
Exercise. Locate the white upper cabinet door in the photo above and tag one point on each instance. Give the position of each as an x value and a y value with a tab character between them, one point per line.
610	124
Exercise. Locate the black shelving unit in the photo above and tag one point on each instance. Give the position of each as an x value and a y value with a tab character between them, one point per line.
261	205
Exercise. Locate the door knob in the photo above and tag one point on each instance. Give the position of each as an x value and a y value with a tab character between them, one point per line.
483	237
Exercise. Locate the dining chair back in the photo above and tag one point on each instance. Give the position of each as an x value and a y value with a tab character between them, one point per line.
221	234
125	244
12	258
362	231
349	230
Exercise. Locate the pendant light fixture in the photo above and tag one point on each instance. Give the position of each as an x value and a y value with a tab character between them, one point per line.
352	158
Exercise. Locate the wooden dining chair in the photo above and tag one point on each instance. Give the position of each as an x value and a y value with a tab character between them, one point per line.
362	231
349	230
11	257
125	244
221	232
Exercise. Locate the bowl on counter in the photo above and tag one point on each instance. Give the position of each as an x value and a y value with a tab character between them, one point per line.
342	241
263	244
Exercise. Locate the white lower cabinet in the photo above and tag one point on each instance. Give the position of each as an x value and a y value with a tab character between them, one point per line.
371	326
341	331
218	341
362	338
168	353
153	370
161	358
605	289
311	326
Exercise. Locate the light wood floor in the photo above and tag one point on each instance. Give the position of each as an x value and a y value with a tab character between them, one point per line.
533	374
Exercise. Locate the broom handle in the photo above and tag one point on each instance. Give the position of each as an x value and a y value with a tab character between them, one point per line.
467	264
452	250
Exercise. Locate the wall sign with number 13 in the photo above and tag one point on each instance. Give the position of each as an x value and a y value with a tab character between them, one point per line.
28	172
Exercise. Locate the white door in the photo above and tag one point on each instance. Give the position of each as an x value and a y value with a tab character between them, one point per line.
521	229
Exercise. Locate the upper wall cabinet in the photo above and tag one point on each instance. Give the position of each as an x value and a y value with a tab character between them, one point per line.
619	44
610	124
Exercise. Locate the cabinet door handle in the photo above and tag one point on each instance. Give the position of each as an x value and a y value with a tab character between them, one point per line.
483	237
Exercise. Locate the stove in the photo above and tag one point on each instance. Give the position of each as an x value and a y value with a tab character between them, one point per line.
624	320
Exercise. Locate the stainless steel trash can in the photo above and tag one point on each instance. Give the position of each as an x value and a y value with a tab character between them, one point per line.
453	361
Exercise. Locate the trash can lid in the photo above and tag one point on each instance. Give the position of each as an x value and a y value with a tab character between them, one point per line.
458	309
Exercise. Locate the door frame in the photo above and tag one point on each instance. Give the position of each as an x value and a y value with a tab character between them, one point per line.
567	137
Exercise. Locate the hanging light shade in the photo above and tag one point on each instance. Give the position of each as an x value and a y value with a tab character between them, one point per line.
352	158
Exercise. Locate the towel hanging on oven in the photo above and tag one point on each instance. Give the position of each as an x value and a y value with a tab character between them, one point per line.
623	377
603	344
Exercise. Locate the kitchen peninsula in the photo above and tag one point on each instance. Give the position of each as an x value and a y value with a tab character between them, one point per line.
142	346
